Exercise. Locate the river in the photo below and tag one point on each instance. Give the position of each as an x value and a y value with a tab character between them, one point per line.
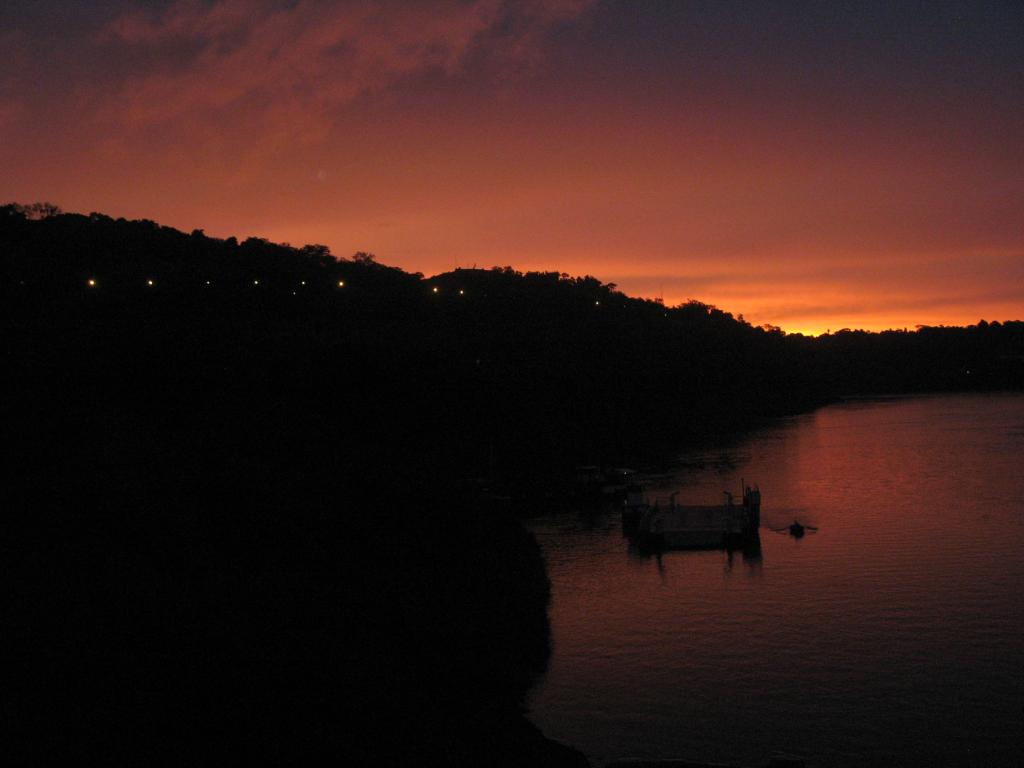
891	635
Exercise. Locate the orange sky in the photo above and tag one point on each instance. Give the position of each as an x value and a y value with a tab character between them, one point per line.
810	167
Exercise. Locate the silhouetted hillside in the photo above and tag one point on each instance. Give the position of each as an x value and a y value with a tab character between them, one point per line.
232	526
242	514
493	371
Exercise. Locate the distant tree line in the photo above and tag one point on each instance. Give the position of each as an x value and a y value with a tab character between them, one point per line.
508	370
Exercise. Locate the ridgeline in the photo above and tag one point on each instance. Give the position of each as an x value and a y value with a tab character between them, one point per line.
242	518
490	372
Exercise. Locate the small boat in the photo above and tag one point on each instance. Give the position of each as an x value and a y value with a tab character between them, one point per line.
596	483
796	529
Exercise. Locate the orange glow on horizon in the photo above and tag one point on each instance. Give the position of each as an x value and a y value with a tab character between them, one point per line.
764	179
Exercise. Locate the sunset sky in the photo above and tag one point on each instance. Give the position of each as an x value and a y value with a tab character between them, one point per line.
812	165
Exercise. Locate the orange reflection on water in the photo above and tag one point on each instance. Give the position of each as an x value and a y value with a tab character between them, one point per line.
902	608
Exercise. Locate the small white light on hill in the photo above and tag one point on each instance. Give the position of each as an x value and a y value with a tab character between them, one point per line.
435	289
149	282
255	282
90	282
303	282
461	292
597	303
341	283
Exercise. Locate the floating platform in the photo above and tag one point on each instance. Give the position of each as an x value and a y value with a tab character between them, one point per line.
694	527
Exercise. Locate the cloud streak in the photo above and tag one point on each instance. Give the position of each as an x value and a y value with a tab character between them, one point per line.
290	66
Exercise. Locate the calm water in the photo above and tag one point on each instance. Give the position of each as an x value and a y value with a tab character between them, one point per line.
894	634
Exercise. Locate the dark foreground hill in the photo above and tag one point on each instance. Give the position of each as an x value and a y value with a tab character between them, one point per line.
239	513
